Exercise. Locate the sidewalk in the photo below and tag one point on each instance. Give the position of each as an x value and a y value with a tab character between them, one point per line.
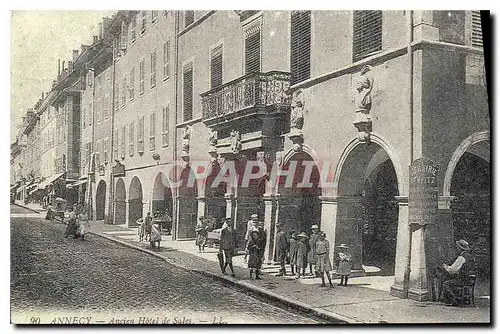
365	300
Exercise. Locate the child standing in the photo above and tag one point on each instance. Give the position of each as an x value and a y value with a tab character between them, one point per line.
323	264
292	252
254	253
343	262
301	254
155	236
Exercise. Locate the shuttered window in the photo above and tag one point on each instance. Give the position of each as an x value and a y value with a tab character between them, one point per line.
477	33
216	67
143	22
106	106
165	126
188	17
124	37
152	131
124	140
117	95
98	153
140	135
131	139
300	50
99	106
252	52
188	95
131	85
124	90
115	144
154	16
153	69
133	25
141	76
166	59
367	33
105	149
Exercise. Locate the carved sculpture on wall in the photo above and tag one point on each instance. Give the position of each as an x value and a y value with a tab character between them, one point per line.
297	113
235	139
212	150
363	104
186	136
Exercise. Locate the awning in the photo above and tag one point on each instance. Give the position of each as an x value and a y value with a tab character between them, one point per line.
49	180
21	188
76	183
31	187
13	188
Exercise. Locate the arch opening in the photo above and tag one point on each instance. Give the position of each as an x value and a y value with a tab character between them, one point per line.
188	205
162	205
135	204
120	205
100	200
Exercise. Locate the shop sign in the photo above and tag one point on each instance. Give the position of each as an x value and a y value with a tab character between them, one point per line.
423	192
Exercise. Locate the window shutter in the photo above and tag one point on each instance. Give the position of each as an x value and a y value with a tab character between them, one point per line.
152	131
115	144
367	33
133	27
143	22
140	134
106	106
124	138
216	67
124	90
124	37
141	76
188	17
131	139
188	95
153	68
105	149
166	111
166	59
154	16
300	53
131	88
477	33
252	52
117	95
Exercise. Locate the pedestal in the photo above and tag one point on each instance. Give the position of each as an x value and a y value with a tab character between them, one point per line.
270	227
417	286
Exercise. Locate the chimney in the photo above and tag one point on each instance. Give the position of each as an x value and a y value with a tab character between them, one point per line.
75	54
100	30
58	66
96	38
70	66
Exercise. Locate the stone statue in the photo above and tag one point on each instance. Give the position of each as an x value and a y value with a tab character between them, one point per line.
213	139
297	113
235	142
185	140
363	99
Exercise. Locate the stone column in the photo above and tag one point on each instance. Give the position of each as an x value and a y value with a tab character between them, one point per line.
201	208
401	271
127	218
417	286
230	207
329	220
270	227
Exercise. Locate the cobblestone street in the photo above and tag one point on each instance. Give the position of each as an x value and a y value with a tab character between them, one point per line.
55	277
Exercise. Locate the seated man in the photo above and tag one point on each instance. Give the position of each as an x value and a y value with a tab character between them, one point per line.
456	273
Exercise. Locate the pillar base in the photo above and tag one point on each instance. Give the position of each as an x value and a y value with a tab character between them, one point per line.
398	290
420	295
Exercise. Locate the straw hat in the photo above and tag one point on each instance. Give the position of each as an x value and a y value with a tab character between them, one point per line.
315	226
302	235
343	246
254	216
462	244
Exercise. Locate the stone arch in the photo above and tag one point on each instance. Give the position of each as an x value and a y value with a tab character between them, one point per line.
120	202
100	200
468	143
135	201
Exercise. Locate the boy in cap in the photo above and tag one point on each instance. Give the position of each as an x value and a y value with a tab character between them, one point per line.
227	246
311	256
251	224
301	254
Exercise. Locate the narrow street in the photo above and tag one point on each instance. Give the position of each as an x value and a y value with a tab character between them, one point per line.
55	278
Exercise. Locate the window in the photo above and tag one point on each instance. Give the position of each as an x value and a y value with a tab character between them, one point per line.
152	131
124	37
124	138
477	33
154	16
165	126
133	25
216	67
141	77
188	17
124	90
300	49
451	25
252	51
98	153
106	106
131	84
84	115
131	139
91	112
188	94
105	149
115	144
367	33
166	59
153	69
98	111
143	22
140	135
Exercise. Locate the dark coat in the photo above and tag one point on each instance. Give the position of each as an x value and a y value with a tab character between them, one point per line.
263	241
228	239
254	252
281	246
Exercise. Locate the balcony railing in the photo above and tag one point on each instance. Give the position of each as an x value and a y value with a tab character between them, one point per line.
252	90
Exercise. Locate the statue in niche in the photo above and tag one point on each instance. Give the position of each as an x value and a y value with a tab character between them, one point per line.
185	141
235	142
297	113
363	99
213	139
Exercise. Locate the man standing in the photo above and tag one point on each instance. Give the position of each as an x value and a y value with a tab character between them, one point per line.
311	256
281	248
251	224
147	221
227	246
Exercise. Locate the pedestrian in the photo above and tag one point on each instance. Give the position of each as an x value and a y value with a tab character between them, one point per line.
343	261
301	254
250	227
292	252
255	260
155	237
281	248
456	274
72	226
323	264
262	238
311	256
227	246
83	224
148	222
201	234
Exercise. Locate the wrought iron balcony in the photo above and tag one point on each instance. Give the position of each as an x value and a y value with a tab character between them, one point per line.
256	92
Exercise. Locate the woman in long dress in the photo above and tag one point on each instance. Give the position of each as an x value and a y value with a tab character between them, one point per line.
343	262
323	264
254	253
83	224
155	236
201	234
